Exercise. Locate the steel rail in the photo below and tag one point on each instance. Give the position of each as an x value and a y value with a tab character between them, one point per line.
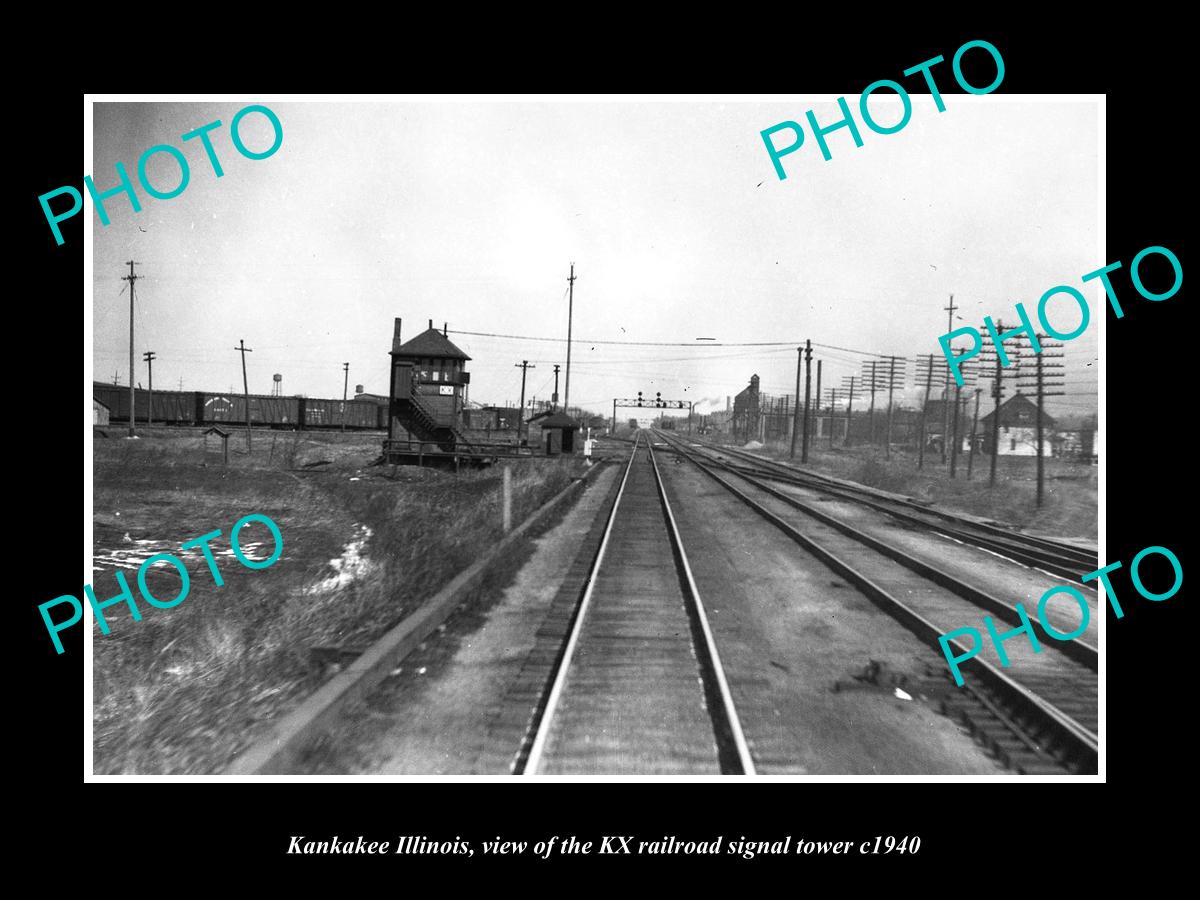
534	760
916	505
1054	557
732	722
1083	743
1081	652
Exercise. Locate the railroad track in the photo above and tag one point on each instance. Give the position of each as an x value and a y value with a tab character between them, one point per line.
1055	557
638	686
1040	716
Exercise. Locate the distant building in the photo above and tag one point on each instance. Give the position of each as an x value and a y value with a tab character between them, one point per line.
1018	428
939	421
1075	437
747	423
492	418
554	432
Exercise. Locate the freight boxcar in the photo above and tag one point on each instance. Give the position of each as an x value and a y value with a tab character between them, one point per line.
357	414
201	408
167	408
277	412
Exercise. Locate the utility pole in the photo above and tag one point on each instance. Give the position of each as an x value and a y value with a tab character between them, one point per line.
523	366
887	444
928	358
851	393
807	397
614	424
969	376
345	393
974	427
946	385
832	406
997	394
1042	380
570	316
894	363
871	412
243	349
181	382
796	412
990	354
131	278
554	405
954	446
149	357
818	396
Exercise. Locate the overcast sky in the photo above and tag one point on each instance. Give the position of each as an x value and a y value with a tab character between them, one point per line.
471	214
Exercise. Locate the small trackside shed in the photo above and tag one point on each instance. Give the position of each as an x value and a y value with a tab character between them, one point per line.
558	434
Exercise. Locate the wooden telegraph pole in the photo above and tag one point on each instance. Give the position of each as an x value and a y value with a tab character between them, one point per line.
1040	381
896	373
131	278
796	411
974	428
928	359
850	393
1016	354
946	388
871	411
345	393
967	371
807	397
818	396
149	356
243	349
833	392
524	365
570	316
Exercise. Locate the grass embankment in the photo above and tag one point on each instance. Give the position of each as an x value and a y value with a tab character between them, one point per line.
187	688
1069	509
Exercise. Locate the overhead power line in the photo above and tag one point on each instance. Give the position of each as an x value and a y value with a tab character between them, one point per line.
525	337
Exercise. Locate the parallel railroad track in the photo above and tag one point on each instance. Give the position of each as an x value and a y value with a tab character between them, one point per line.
1055	557
638	687
1041	714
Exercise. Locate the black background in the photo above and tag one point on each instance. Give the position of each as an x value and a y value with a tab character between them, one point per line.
973	834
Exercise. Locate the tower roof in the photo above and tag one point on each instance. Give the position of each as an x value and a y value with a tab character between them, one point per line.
432	343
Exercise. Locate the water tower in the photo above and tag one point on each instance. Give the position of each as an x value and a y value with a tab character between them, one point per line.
277	388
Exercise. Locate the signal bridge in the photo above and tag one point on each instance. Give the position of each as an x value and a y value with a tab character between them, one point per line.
641	401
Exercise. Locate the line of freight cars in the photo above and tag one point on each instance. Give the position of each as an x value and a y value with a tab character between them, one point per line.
201	408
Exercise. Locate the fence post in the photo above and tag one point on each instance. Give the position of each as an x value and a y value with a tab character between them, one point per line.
507	499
